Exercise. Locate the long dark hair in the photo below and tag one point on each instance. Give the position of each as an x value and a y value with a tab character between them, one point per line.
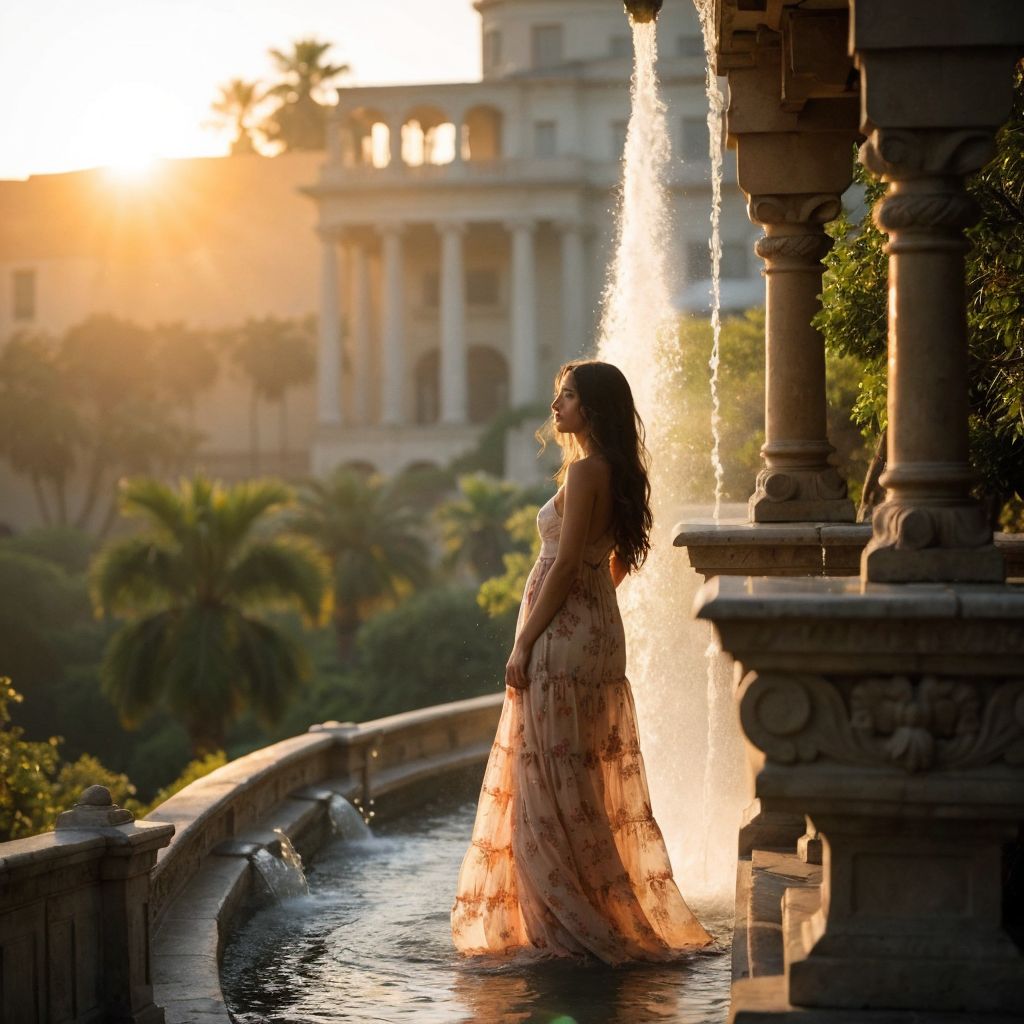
617	434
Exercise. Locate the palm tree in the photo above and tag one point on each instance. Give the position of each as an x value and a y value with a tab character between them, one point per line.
190	585
371	537
275	355
300	122
236	106
474	526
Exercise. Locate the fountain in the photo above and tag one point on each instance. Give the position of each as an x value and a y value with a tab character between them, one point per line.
689	737
347	821
284	876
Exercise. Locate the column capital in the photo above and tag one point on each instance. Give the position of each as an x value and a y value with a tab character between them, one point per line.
448	225
572	225
391	229
518	225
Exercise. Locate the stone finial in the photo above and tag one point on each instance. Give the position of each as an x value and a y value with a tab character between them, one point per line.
95	809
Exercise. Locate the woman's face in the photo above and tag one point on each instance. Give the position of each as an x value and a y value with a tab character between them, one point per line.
565	409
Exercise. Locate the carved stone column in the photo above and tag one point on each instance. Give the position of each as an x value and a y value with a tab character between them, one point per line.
329	361
797	482
524	314
574	291
895	722
393	329
454	370
793	164
931	103
362	344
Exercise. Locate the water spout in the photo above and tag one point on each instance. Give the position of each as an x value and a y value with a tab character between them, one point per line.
346	820
283	876
642	11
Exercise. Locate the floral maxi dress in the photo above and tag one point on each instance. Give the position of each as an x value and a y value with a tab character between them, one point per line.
566	857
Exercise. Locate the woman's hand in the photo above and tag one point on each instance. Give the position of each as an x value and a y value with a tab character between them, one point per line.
515	669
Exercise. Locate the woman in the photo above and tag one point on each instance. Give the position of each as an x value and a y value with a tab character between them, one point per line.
566	857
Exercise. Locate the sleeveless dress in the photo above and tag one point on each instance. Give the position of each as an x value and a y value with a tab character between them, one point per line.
566	857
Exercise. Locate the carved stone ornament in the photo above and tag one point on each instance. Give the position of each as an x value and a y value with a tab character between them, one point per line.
898	153
907	526
823	484
808	248
95	809
918	724
798	208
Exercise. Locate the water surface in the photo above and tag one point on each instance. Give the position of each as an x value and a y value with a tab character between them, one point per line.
371	943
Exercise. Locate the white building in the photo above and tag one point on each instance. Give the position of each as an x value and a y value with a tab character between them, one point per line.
465	228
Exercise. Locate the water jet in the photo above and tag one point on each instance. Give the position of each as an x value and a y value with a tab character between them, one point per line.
642	11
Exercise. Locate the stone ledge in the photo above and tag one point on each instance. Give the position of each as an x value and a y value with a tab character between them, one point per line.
737	547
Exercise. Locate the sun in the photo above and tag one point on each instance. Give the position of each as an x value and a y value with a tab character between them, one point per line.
132	166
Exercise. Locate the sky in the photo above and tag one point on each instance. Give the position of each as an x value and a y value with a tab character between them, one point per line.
87	83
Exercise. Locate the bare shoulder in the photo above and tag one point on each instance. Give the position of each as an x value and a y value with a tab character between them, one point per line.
592	473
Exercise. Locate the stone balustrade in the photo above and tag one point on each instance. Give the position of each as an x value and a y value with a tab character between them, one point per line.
81	908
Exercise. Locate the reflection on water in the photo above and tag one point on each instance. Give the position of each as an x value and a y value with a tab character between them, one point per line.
371	943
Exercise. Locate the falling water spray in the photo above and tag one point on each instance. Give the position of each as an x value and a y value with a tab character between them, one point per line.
696	799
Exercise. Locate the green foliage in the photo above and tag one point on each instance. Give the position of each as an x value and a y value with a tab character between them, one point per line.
300	119
35	785
489	454
235	107
437	646
194	770
189	587
500	596
854	315
370	533
474	526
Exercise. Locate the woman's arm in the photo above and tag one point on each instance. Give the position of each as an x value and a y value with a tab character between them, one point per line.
581	484
616	568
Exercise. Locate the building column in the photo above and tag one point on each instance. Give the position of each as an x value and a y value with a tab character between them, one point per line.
523	300
362	371
329	361
574	292
392	404
454	369
793	167
930	528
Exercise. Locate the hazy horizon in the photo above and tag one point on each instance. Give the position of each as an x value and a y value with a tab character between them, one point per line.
95	82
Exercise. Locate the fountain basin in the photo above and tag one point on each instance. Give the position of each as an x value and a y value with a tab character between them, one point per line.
205	876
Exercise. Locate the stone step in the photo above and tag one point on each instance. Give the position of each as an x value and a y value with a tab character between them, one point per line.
772	872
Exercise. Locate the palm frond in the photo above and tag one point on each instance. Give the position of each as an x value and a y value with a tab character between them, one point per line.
273	666
284	570
161	507
131	673
135	574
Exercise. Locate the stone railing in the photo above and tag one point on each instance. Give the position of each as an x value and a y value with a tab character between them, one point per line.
81	907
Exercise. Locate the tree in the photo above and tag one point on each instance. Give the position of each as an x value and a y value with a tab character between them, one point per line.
235	106
275	355
474	525
500	596
190	586
371	536
300	119
39	426
438	646
854	315
186	364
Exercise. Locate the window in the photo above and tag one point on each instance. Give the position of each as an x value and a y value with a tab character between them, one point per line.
698	261
545	141
618	139
492	49
24	285
694	139
689	46
620	46
430	297
547	46
735	263
481	288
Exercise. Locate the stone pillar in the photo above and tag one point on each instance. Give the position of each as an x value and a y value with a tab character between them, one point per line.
793	164
394	143
454	369
125	976
797	483
959	75
329	361
362	369
574	291
392	402
523	301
